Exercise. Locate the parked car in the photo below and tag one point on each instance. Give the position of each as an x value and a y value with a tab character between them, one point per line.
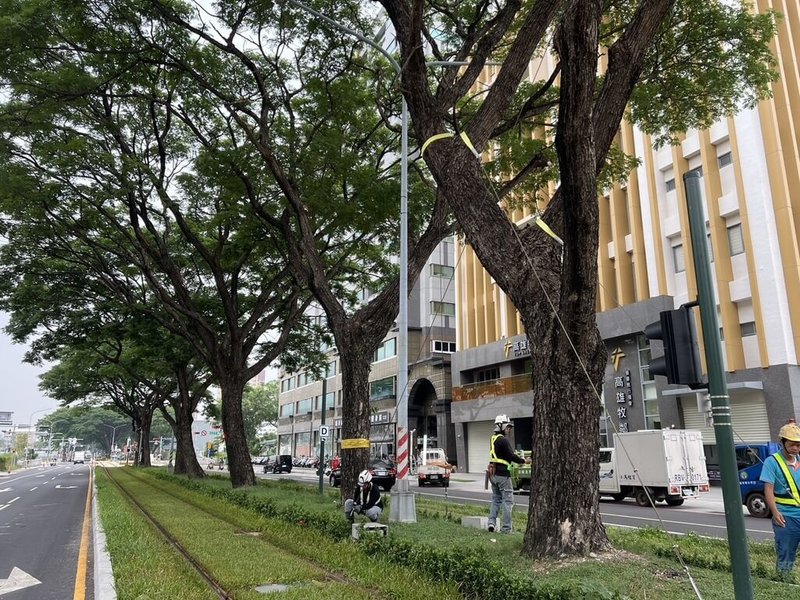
384	474
282	464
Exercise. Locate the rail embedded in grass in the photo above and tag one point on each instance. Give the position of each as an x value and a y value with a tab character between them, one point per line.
442	548
217	534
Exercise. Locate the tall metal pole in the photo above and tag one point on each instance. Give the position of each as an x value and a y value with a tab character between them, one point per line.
322	439
403	506
718	389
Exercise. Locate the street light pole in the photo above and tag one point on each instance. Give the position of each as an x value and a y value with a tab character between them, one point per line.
403	507
113	433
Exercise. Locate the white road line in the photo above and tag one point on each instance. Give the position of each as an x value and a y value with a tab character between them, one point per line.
9	503
33	489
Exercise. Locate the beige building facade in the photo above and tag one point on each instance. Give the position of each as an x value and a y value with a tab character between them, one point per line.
750	168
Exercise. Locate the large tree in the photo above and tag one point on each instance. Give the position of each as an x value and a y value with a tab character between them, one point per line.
673	64
132	174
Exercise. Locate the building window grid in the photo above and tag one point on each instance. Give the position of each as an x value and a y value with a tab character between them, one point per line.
442	346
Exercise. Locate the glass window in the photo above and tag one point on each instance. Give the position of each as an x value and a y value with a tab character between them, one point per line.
748	328
287	410
303	406
725	159
442	270
670	184
441	346
735	239
287	384
330	369
443	308
488	374
386	350
383	388
652	417
698	170
677	258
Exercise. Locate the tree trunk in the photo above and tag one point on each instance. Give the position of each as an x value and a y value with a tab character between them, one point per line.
355	410
569	355
144	438
185	457
183	406
241	469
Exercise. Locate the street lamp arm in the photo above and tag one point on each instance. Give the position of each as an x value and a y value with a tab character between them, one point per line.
348	31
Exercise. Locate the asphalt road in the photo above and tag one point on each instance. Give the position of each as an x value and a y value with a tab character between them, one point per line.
705	516
41	519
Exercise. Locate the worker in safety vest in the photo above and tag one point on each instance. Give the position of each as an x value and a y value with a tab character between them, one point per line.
501	455
781	477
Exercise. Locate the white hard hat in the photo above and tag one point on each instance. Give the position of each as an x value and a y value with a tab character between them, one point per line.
364	477
501	420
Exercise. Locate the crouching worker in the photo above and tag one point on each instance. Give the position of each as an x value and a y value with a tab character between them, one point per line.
366	499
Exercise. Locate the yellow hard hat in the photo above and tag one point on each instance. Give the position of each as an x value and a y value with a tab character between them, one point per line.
790	431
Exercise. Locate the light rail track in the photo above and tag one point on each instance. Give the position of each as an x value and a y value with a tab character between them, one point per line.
217	588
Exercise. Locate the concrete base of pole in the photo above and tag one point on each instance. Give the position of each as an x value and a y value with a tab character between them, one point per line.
402	506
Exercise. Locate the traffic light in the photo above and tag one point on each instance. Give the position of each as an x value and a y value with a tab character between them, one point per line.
681	361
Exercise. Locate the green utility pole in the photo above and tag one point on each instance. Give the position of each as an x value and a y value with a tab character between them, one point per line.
321	438
718	390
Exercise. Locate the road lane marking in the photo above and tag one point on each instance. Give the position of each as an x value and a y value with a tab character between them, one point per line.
33	489
83	553
9	503
17	580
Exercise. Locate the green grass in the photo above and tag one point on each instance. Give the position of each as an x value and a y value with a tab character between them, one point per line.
279	553
643	565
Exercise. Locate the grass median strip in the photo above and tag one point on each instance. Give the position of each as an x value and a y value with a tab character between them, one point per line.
144	565
280	552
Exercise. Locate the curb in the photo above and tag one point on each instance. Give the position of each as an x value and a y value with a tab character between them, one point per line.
103	575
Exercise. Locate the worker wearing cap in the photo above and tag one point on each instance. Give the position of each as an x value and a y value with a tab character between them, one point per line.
501	455
781	477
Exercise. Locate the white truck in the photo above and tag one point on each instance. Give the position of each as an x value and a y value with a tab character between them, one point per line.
435	469
669	463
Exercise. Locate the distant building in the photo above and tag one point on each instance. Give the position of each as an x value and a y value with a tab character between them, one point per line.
431	342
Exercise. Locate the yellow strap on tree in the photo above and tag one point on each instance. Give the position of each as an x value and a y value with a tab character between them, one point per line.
443	136
468	144
354	443
546	228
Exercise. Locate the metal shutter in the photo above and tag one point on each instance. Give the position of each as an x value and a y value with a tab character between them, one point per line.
749	415
478	436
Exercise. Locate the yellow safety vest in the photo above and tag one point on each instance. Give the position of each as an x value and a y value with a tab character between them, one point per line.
492	456
794	498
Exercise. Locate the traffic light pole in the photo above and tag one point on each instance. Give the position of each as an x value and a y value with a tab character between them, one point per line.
718	389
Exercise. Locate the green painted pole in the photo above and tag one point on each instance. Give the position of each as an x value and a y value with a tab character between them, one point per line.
718	390
322	439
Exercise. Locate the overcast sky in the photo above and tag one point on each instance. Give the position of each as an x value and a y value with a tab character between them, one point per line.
20	381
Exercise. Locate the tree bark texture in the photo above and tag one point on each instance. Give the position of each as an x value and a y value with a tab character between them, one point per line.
355	355
569	355
241	469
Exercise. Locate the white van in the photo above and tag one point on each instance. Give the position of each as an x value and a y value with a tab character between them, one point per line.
81	457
